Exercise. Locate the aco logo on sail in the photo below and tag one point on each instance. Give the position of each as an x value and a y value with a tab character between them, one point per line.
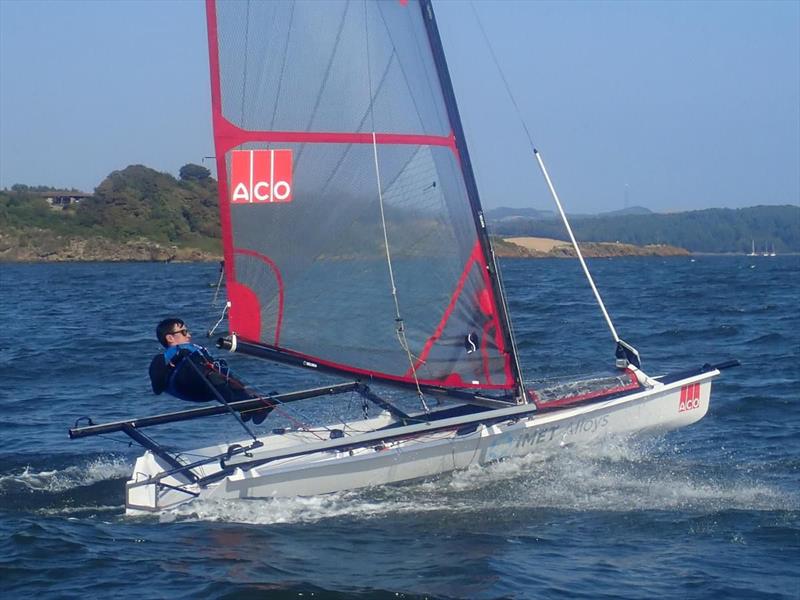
261	176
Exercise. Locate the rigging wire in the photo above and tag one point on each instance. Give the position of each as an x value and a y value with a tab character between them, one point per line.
177	452
277	408
550	185
220	320
399	327
219	283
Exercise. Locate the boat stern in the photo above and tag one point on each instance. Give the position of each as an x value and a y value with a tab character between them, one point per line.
152	489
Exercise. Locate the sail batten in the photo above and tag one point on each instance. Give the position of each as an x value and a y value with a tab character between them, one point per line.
234	136
311	101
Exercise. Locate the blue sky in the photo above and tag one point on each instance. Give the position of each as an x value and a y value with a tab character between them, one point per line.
668	105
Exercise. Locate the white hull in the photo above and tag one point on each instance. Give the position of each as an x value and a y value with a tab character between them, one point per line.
376	459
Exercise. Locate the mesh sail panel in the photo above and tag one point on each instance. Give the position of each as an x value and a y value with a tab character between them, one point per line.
328	86
309	66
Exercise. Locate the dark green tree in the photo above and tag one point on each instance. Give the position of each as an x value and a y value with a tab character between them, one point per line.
192	172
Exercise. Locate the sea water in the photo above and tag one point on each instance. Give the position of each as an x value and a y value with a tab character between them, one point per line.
709	511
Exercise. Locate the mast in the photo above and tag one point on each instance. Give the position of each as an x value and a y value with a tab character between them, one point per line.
432	30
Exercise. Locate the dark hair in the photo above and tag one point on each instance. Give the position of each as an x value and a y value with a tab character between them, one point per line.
165	327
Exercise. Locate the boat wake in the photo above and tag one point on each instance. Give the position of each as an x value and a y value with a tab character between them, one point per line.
616	476
623	477
96	485
619	476
97	470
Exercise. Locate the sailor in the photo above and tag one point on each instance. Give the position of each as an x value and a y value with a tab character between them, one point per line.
200	381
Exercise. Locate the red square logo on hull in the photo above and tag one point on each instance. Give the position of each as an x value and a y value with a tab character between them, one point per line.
690	397
261	176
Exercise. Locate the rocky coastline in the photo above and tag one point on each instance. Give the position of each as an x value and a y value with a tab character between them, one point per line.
39	245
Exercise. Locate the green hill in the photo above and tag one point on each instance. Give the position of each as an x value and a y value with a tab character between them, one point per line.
134	214
139	201
713	230
141	214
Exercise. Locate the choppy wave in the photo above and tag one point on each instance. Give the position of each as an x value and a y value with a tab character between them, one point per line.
87	487
58	480
709	511
619	476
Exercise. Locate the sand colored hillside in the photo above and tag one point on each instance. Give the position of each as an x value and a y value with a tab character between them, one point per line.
536	243
532	247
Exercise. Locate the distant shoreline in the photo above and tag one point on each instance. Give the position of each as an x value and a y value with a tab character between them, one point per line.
537	247
39	247
42	246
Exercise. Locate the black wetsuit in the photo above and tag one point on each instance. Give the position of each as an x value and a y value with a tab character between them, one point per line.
203	380
171	372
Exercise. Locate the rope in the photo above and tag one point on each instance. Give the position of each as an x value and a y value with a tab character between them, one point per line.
276	408
221	318
501	73
399	329
266	399
546	176
219	285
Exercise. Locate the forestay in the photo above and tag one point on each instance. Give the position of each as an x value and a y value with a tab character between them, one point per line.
353	233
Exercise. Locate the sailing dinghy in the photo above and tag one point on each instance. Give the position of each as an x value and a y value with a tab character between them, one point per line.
355	245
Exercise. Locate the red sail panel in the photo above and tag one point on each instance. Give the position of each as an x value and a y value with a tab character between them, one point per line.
332	139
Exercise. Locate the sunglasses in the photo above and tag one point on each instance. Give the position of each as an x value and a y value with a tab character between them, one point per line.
183	332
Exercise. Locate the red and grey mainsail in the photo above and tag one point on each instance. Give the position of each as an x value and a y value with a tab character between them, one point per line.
352	229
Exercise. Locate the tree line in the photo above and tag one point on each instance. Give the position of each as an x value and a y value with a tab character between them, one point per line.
713	230
139	202
135	202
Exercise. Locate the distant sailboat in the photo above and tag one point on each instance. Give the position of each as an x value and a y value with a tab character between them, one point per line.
753	251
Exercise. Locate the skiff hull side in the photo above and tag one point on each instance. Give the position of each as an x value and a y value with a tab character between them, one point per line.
662	408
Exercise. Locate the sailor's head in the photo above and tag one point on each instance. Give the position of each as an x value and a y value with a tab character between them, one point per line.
172	331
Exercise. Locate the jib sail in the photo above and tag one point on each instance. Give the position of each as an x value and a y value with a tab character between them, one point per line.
352	229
